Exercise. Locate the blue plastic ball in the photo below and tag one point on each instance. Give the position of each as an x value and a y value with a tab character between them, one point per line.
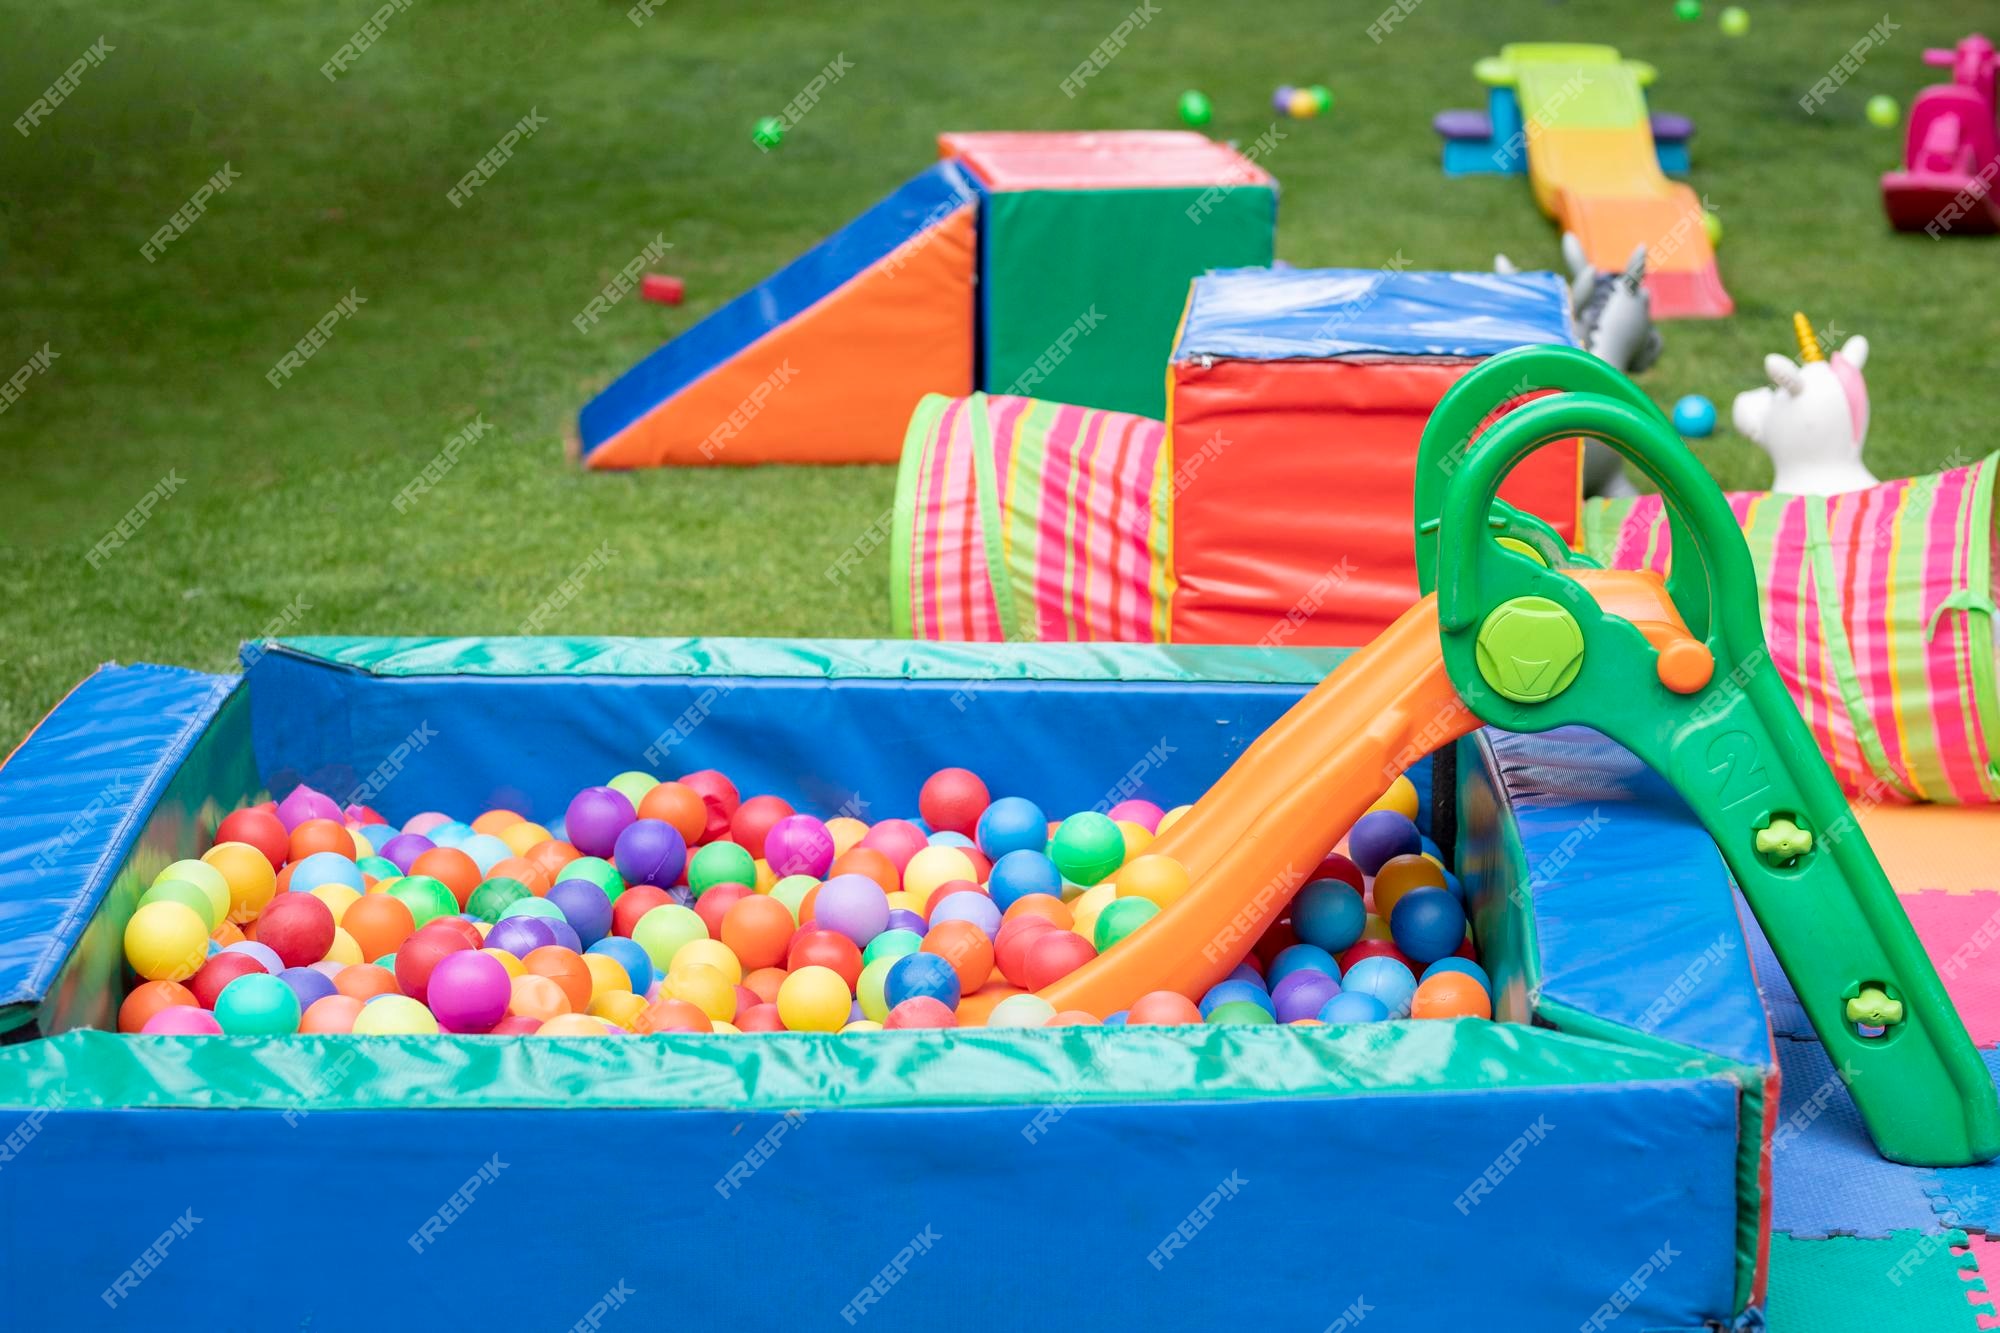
1012	824
1020	873
1379	835
1303	957
326	868
1352	1006
638	964
1329	913
921	974
1465	965
1244	972
584	907
307	984
1694	417
1427	924
450	834
1457	888
486	851
1228	992
1385	979
949	838
1117	1020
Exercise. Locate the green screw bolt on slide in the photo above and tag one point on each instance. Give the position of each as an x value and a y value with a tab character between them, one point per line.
1529	649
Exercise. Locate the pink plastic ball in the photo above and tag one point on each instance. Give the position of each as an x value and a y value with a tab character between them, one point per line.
469	991
182	1020
425	822
798	845
304	803
897	839
1143	813
922	1011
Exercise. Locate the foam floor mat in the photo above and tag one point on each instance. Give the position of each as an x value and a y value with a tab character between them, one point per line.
1826	1177
1969	1196
1906	1282
1952	848
1961	933
1980	1293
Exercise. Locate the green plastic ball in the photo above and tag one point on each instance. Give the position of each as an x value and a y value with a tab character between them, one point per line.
1120	918
892	944
210	881
1196	109
768	133
662	932
1322	95
1240	1011
495	896
180	891
1735	21
427	898
1884	111
792	891
532	906
633	785
257	1004
381	867
721	863
599	872
1087	848
1687	11
871	986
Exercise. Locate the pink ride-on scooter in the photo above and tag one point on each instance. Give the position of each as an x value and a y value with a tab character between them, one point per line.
1952	157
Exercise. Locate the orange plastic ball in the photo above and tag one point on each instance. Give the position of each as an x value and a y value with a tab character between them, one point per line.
758	930
525	871
249	876
764	983
537	997
147	999
574	1025
552	855
331	1014
1044	905
1162	1007
320	835
228	933
364	981
564	967
867	861
668	1015
378	923
968	950
1399	875
494	821
1451	995
1158	879
452	868
679	806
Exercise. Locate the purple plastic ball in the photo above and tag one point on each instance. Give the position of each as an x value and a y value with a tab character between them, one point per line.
565	935
1303	994
304	803
853	905
520	935
404	849
977	908
798	845
595	818
585	907
648	851
1379	835
468	991
682	895
902	918
1281	99
307	984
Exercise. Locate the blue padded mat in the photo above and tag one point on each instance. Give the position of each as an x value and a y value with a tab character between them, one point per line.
1969	1196
1826	1177
1781	1002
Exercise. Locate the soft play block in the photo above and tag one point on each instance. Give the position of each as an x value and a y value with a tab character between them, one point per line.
1087	245
1298	398
820	363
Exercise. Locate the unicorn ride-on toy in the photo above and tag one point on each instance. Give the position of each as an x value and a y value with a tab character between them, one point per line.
1814	419
1952	155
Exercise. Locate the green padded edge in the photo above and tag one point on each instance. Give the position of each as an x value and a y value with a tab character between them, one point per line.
1027	1067
819	659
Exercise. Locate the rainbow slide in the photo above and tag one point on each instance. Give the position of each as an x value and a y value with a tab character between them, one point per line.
1596	171
822	362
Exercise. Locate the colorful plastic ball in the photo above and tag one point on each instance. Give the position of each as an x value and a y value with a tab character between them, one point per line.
451	867
1053	955
1145	814
204	877
320	835
263	954
792	892
584	908
649	851
261	829
303	803
1160	880
297	927
718	796
1427	924
394	1016
1694	416
1195	108
516	1025
220	969
574	1025
1235	992
892	944
251	879
532	996
1354	1007
662	931
182	1021
427	898
1322	97
1302	995
403	850
1451	995
1884	111
703	987
1303	106
187	895
754	819
1087	848
713	907
1384	978
566	968
166	941
1021	1011
1011	824
1281	99
308	984
768	132
468	991
799	845
595	869
968	905
520	935
1301	958
1379	835
364	981
869	989
338	898
595	818
815	999
1120	918
258	1004
814	947
486	851
679	805
933	867
1011	945
954	799
854	905
920	1012
331	1015
720	863
758	930
922	974
149	998
1240	1012
1462	965
629	955
325	868
897	839
1374	948
633	785
420	955
1687	11
1735	21
966	947
1161	1008
1021	873
1329	914
378	923
1403	874
709	953
496	895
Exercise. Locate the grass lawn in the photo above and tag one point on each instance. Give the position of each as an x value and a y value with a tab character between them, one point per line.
282	497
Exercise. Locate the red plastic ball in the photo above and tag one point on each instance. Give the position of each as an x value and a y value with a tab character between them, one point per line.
515	1025
1162	1007
634	903
825	948
715	902
757	929
217	972
922	1011
753	820
1376	949
297	925
1279	937
466	930
260	828
719	794
759	1018
1336	866
420	955
952	800
1010	946
1053	955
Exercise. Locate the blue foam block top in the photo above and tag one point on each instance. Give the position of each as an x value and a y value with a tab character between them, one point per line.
1276	314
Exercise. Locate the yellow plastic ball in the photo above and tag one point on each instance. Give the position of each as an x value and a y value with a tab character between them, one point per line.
1171	818
394	1016
523	837
846	833
1399	875
607	975
861	1025
166	941
251	879
362	847
1303	106
934	866
344	949
1137	838
515	967
706	988
1401	797
813	999
724	1027
619	1006
204	877
909	902
1159	879
1083	909
572	1025
1376	928
714	953
338	898
767	878
384	884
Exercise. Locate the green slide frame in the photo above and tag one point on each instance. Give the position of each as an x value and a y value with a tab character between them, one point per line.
1529	649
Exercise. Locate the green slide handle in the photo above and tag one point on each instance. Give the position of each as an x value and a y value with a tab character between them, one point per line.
1476	396
1530	649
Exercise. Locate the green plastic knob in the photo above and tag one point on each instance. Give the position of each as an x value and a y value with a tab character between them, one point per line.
1783	841
1874	1008
1529	649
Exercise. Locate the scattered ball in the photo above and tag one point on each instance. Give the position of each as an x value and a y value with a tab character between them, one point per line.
1694	417
1195	108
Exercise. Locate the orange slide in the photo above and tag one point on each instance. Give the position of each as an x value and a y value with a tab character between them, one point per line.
1250	843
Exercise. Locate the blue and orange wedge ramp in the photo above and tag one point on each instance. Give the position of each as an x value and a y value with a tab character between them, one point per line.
824	361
